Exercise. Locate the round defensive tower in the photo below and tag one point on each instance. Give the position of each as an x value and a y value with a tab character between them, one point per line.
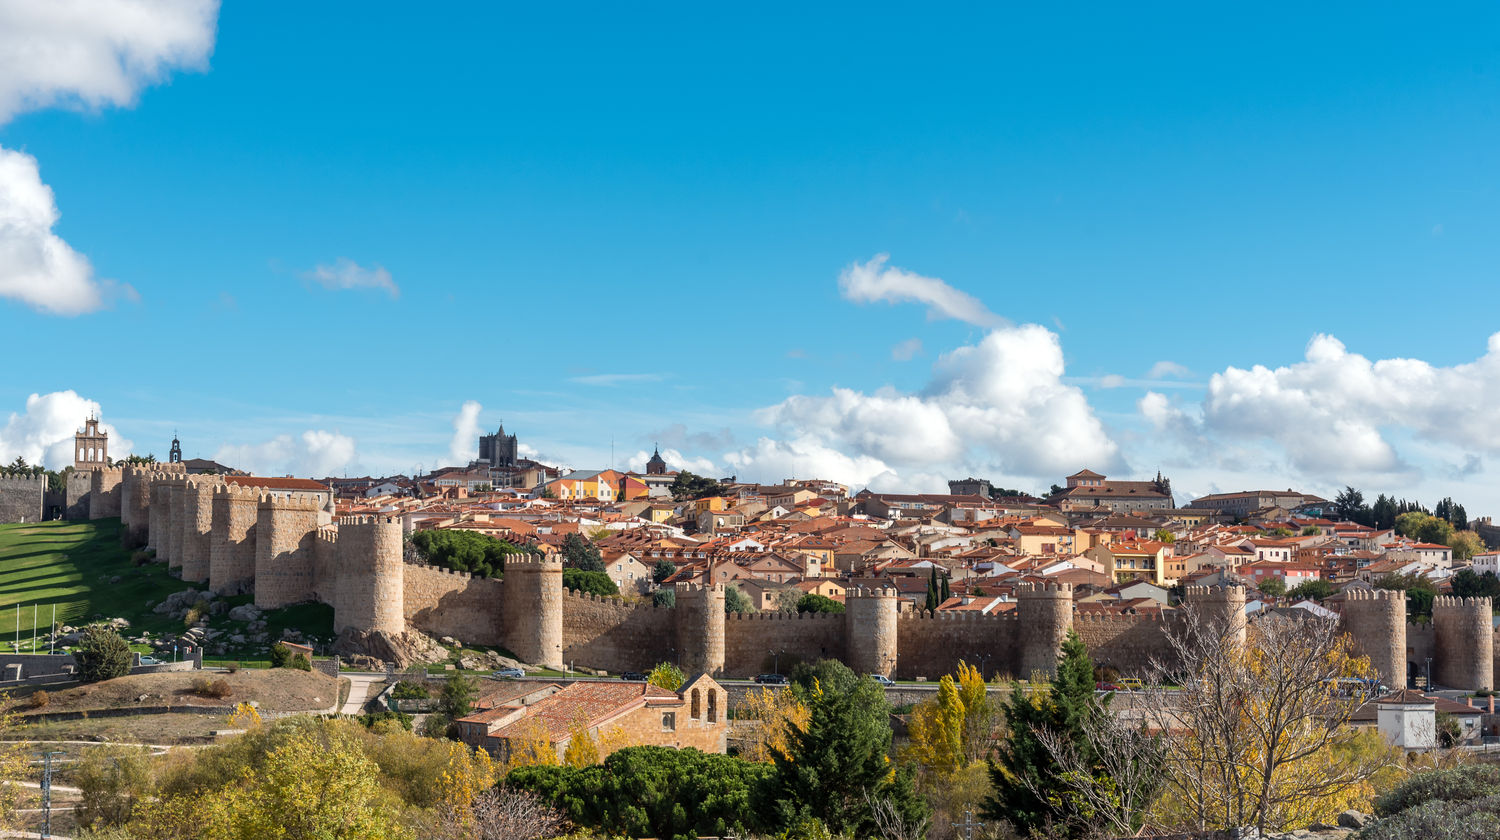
1045	613
158	517
1221	606
285	536
176	520
1376	620
370	591
532	603
135	504
198	496
104	492
1465	633
231	548
870	630
700	627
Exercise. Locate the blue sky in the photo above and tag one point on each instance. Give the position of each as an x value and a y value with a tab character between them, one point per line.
605	223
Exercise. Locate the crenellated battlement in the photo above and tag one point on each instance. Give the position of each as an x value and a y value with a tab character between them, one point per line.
1455	602
1044	590
369	519
778	615
271	501
1148	617
1392	595
532	562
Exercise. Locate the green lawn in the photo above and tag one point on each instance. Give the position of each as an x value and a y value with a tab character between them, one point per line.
69	565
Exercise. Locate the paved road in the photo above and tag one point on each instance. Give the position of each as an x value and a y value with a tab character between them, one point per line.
359	691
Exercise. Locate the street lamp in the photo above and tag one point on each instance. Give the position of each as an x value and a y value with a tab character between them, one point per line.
983	657
776	660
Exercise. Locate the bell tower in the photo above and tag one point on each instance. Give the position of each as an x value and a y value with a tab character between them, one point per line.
90	446
175	456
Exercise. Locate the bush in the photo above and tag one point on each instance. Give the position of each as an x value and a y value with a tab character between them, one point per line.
1472	819
102	654
812	602
457	696
411	690
436	725
595	583
232	667
666	598
464	551
205	687
40	700
1456	785
142	557
281	655
300	663
370	721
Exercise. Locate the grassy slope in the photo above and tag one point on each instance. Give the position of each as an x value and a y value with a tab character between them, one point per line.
70	564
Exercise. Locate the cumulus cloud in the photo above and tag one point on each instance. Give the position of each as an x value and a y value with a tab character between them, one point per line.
43	433
86	54
675	461
999	407
874	281
1337	412
316	453
95	53
345	273
37	267
465	444
907	350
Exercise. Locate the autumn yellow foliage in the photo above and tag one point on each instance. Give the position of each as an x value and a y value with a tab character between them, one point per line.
777	713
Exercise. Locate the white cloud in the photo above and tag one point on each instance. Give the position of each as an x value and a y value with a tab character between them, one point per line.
611	380
345	273
315	453
1166	368
465	444
907	350
999	408
95	53
875	282
1337	413
675	461
43	433
37	267
88	54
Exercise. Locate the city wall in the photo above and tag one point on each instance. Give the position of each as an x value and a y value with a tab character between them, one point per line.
244	539
21	498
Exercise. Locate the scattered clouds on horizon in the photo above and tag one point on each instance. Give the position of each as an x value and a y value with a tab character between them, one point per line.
84	55
345	274
675	461
465	444
1164	369
907	350
316	453
43	433
873	282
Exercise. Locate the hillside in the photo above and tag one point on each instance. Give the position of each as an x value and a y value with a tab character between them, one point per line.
81	568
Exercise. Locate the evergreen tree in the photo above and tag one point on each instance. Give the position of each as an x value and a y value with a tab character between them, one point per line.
946	594
932	591
580	552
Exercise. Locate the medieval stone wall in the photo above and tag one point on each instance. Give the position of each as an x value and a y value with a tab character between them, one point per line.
369	592
178	521
700	628
21	498
1465	643
930	644
441	602
533	608
76	494
1376	620
104	492
872	632
1128	643
197	529
231	549
749	639
286	531
612	634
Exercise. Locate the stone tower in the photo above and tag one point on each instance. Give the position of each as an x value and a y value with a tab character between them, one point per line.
870	628
657	465
104	492
700	628
177	523
90	446
1375	620
370	590
198	522
1465	642
1045	612
532	608
175	456
499	449
135	504
1223	606
231	549
286	530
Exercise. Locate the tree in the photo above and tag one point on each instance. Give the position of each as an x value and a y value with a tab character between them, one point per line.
736	601
665	598
932	591
1257	732
500	814
582	749
1311	530
812	602
1280	531
1420	592
838	762
666	675
663	570
690	486
1272	585
936	731
1467	584
1163	535
778	711
456	699
580	553
1383	514
464	551
1317	589
1349	505
597	583
102	654
1465	545
111	780
1043	727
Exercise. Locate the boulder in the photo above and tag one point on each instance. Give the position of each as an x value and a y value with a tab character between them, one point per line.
244	612
1353	819
403	649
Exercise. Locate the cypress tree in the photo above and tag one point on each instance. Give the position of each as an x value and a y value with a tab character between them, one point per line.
932	591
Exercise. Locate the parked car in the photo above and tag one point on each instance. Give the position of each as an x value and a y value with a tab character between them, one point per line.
771	679
509	674
1107	686
150	660
883	680
633	676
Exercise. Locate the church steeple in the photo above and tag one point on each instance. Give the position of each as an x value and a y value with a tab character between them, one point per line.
657	465
175	456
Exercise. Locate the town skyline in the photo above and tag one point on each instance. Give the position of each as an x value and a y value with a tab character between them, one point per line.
346	267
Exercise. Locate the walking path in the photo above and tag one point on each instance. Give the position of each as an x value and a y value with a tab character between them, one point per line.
359	692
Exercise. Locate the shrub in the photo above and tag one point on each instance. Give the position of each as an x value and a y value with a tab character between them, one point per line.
595	583
142	557
666	598
1456	785
1472	819
102	654
371	720
282	657
411	690
40	700
232	667
205	687
436	725
812	602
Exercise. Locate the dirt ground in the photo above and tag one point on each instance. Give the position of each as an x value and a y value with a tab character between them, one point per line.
277	690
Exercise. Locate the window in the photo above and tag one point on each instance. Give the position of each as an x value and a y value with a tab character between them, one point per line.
669	721
697	712
713	707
